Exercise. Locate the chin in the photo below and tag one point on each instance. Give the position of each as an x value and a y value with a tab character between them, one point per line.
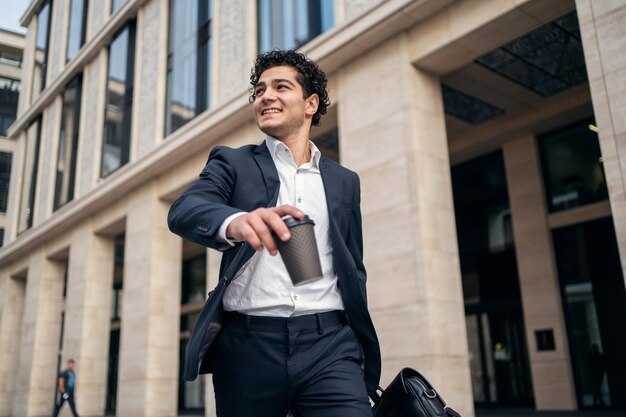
274	131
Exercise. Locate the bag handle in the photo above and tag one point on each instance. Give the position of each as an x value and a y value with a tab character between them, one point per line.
375	396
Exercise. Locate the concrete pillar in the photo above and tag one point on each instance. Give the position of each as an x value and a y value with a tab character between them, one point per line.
603	31
148	368
392	132
13	293
88	316
552	377
39	346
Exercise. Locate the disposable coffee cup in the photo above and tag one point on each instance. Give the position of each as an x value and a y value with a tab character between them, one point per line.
300	253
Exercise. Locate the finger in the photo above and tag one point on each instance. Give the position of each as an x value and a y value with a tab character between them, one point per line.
273	220
263	232
286	209
250	236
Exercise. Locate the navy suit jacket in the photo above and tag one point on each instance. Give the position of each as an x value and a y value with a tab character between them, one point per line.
245	179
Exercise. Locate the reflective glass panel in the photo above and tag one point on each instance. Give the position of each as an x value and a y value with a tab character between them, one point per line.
68	143
289	24
78	22
119	102
189	61
5	175
115	4
29	176
572	167
9	94
594	303
194	280
41	48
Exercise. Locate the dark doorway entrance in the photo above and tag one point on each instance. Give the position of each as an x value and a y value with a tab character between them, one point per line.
495	325
594	301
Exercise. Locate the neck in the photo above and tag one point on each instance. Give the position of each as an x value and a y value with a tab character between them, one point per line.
299	146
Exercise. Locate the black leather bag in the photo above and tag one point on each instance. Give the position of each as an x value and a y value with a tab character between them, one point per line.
410	395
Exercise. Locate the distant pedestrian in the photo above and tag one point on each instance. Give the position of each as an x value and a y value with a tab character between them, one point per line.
67	383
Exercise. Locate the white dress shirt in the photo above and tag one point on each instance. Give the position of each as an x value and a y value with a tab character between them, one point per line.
262	287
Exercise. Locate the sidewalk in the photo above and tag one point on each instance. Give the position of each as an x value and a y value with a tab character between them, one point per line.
513	412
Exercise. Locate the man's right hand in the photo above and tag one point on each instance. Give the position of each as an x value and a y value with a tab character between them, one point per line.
256	227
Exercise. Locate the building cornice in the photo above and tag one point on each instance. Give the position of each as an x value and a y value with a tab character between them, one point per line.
331	50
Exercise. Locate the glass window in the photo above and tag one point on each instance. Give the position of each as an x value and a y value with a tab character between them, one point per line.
68	143
499	364
188	61
572	167
193	294
594	304
119	101
289	24
13	59
78	25
9	94
118	277
29	176
328	144
5	176
41	47
194	279
115	4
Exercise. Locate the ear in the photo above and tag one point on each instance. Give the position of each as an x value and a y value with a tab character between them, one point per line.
311	105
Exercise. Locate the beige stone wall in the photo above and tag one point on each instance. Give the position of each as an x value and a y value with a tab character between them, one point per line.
13	290
88	315
398	145
40	333
603	30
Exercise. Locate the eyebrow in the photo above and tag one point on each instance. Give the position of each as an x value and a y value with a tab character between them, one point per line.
275	81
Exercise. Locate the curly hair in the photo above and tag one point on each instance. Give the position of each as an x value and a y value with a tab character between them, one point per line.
310	76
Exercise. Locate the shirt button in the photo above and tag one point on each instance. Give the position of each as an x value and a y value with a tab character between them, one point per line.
299	199
295	297
297	171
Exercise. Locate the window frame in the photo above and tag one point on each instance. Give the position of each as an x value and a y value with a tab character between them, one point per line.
29	210
202	50
129	89
59	201
44	64
83	29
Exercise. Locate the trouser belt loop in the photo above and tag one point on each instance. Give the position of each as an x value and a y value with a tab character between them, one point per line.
248	318
320	330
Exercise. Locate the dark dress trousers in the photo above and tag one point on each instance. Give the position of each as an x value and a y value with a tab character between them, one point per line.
245	179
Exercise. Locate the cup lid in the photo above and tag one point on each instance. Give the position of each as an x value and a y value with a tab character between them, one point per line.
292	222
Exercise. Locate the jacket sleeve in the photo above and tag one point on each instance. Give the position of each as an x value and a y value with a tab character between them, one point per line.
199	212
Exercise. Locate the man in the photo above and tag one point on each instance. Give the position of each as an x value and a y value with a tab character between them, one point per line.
67	382
311	349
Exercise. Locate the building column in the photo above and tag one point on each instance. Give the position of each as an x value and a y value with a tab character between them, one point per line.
392	132
88	316
41	330
553	382
603	31
148	368
13	293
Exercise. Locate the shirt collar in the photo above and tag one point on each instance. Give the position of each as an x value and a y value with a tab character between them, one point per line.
275	145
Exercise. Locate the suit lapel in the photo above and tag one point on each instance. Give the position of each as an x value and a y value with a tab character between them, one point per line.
331	189
270	174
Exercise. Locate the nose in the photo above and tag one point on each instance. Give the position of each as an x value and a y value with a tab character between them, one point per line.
268	95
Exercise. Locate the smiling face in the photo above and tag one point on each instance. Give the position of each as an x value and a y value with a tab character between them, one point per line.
280	108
